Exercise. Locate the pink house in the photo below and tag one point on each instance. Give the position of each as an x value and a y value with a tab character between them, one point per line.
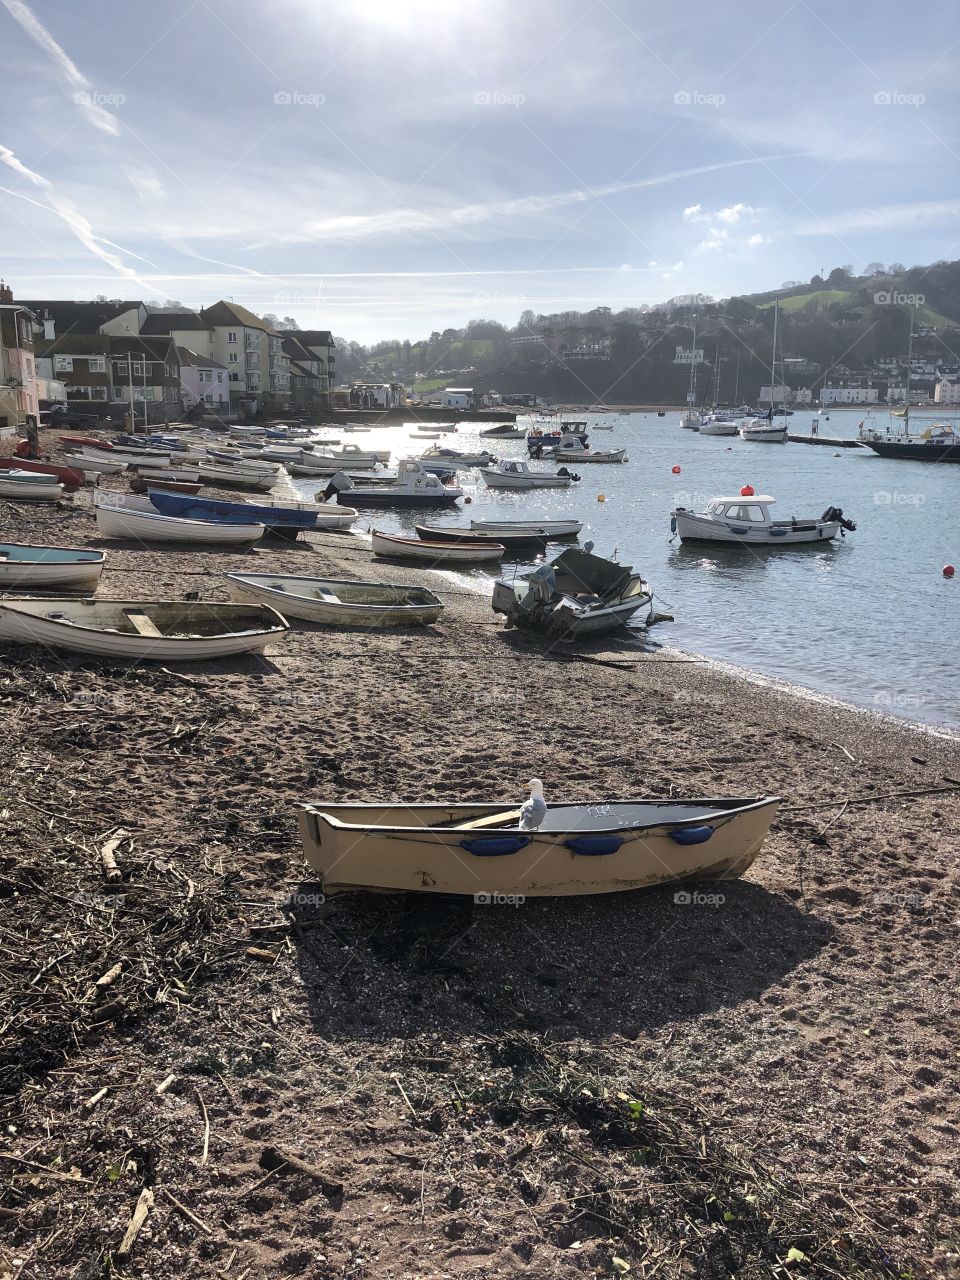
19	390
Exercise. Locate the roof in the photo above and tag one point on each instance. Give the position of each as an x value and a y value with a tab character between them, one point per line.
81	317
315	337
458	391
292	346
748	497
299	371
162	322
104	344
186	356
223	313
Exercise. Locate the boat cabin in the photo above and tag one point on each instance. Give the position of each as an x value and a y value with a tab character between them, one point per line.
753	510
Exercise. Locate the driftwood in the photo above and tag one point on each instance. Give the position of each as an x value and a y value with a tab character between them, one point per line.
111	872
273	1158
139	1217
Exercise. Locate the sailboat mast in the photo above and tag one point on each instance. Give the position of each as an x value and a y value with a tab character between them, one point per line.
906	412
691	388
773	358
736	385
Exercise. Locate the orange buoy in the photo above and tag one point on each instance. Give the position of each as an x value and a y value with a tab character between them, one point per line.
601	497
948	571
747	491
676	470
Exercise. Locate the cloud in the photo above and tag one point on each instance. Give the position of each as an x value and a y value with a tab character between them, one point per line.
146	184
83	94
717	225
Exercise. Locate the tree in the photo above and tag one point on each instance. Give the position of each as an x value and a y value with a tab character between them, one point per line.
838	276
816	282
874	269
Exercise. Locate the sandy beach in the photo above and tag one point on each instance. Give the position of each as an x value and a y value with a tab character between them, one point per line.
417	1086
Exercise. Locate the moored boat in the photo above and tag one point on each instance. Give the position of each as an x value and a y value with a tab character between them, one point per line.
505	431
414	487
764	431
746	520
511	539
515	473
155	631
338	602
541	528
576	595
392	547
237	477
579	848
25	566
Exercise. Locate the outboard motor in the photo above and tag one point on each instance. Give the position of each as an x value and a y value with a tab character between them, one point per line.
567	475
835	514
339	483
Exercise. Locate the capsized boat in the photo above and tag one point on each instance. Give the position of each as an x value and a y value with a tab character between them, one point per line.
154	631
26	486
278	514
121	515
746	520
338	602
515	473
392	547
576	595
414	487
579	848
24	566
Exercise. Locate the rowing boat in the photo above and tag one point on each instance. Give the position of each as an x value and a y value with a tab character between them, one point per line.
25	486
24	566
479	850
161	631
338	602
278	514
70	477
391	547
121	515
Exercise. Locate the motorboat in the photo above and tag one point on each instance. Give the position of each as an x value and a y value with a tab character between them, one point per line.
514	473
715	425
337	602
414	487
393	547
938	443
578	594
746	521
505	431
278	515
480	850
25	566
152	631
539	440
574	451
454	459
763	431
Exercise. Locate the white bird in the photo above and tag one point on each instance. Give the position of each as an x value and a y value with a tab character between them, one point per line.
534	810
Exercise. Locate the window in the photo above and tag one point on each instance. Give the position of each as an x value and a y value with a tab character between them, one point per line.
234	377
219	377
208	398
63	364
97	364
204	375
233	358
231	335
97	393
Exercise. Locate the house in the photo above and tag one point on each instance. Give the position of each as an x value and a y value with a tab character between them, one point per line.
187	329
688	355
309	379
457	397
115	371
59	318
323	354
19	388
251	350
376	395
848	394
780	394
947	392
203	381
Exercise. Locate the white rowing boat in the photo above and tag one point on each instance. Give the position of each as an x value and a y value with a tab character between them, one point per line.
391	547
24	566
338	603
121	515
161	631
25	486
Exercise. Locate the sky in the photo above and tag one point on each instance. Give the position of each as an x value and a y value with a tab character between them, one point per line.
384	168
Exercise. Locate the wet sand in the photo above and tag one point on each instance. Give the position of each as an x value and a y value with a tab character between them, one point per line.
565	1088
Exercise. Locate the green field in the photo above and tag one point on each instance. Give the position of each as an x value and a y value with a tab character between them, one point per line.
797	301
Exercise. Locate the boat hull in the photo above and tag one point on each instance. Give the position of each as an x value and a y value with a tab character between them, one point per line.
25	491
536	528
692	528
439	533
573	455
26	566
528	480
919	452
390	611
393	548
70	477
764	435
589	849
141	526
60	625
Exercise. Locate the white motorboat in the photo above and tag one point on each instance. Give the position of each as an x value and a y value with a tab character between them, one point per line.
714	425
414	487
121	515
336	602
763	431
24	566
155	631
392	547
578	594
515	473
574	451
746	520
27	486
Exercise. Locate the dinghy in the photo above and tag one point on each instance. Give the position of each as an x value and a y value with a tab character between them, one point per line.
505	431
337	602
111	457
123	516
746	521
26	486
100	466
161	631
454	458
277	515
576	595
238	477
70	477
540	528
579	848
24	566
391	547
516	474
141	484
574	451
510	539
414	487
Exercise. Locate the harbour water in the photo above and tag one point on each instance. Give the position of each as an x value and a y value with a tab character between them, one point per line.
869	619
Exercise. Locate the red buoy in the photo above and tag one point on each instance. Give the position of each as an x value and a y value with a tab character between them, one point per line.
747	491
675	470
948	571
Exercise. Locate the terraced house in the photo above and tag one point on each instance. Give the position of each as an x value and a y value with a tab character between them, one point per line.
99	368
19	396
252	351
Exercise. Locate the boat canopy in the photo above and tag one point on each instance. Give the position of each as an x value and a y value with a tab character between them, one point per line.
761	498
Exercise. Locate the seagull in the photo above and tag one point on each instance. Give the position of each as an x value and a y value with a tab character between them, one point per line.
534	810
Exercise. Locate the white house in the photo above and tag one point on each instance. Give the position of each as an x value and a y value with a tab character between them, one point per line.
204	381
258	371
848	395
457	398
947	392
684	355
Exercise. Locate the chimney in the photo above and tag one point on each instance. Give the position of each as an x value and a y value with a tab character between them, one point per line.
6	293
49	328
